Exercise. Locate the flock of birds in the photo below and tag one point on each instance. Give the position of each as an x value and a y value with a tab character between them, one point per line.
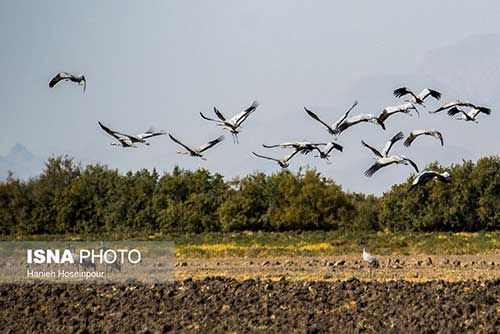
383	158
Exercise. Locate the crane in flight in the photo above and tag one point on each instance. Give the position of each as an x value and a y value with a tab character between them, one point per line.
197	152
427	175
417	99
455	103
124	140
385	152
283	163
404	108
417	133
469	116
234	123
65	76
306	147
331	128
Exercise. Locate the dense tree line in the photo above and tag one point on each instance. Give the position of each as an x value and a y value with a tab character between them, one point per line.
68	198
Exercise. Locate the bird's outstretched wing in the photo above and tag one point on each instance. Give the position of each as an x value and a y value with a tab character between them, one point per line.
343	118
210	119
411	137
453	111
134	139
426	92
210	144
219	114
413	164
315	117
374	168
242	116
151	134
183	145
397	137
58	77
252	108
112	133
332	145
484	110
373	149
264	157
454	103
438	135
291	155
271	146
403	91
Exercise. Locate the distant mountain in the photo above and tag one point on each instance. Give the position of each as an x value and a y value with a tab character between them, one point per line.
469	68
21	162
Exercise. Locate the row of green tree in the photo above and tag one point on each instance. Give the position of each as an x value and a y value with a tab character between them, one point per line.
68	198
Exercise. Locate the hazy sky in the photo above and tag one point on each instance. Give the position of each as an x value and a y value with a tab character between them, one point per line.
162	62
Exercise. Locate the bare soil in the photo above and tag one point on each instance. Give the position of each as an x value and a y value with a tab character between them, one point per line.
222	305
333	268
408	294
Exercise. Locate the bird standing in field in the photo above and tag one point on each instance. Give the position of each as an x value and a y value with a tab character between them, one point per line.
417	99
233	124
370	259
416	133
331	128
469	116
196	152
427	175
65	76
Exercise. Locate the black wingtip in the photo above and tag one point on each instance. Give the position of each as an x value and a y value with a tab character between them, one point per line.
453	111
400	92
485	110
381	123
